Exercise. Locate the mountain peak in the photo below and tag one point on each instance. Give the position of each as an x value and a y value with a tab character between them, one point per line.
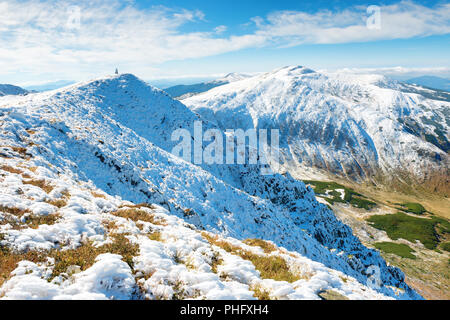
334	116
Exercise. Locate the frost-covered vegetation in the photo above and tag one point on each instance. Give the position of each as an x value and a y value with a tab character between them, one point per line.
87	173
103	247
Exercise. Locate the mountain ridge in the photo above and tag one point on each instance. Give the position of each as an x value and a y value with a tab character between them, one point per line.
366	128
114	133
183	91
9	89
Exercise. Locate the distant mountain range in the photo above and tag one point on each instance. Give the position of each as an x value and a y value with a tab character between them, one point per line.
50	85
431	82
184	91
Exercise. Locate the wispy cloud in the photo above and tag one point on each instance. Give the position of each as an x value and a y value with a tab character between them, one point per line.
44	38
399	21
398	72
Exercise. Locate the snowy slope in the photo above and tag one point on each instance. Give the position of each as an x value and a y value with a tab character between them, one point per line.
362	127
8	89
173	258
113	134
183	91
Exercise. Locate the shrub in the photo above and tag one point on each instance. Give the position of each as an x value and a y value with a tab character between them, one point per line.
362	203
215	262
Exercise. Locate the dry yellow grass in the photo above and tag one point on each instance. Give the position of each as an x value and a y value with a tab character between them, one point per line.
260	293
138	206
57	202
84	256
270	267
11	169
34	221
98	195
40	184
215	262
155	236
135	214
9	261
266	246
20	150
13	210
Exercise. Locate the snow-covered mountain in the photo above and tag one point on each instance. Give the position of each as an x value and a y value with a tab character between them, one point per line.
9	89
81	152
361	127
50	85
184	91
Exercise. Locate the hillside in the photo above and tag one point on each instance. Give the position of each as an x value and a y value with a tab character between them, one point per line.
77	161
363	128
8	89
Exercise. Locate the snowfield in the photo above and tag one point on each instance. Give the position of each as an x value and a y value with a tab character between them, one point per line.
361	127
86	171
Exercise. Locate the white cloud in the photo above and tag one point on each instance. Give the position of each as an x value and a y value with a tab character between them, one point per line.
40	38
220	29
398	21
399	72
36	38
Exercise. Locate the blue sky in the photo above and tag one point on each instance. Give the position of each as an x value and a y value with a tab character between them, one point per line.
180	40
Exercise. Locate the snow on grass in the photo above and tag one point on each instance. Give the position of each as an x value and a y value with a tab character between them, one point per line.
89	154
115	249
